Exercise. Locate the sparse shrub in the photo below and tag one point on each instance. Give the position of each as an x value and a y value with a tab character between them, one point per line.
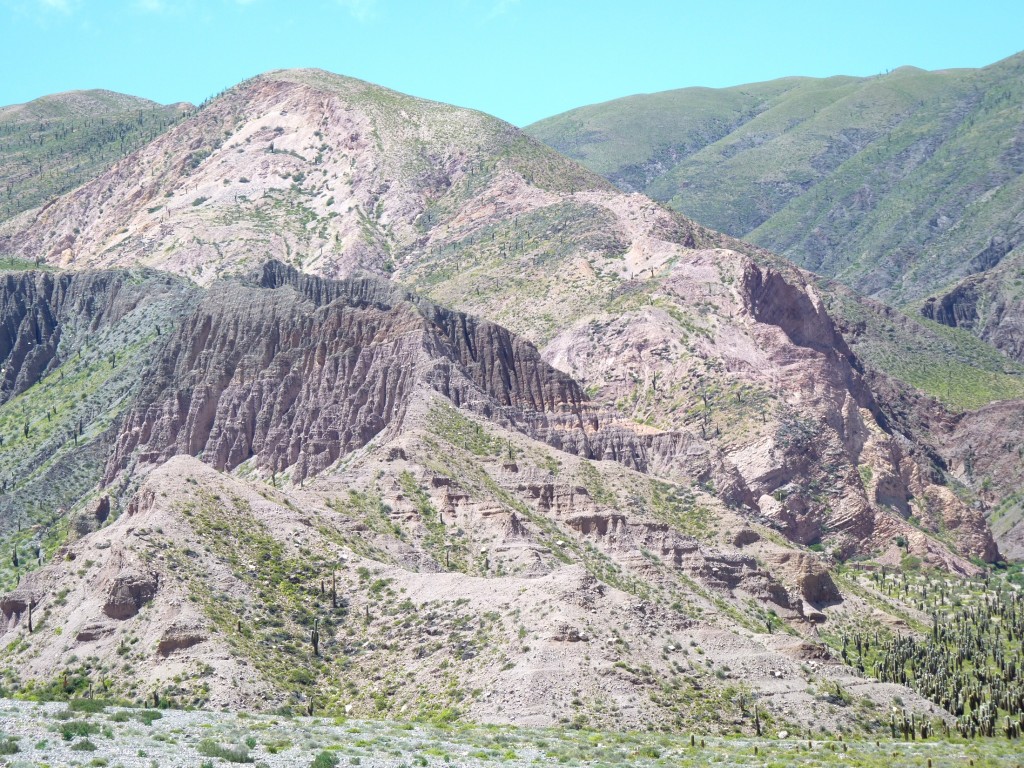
91	706
273	747
83	746
147	716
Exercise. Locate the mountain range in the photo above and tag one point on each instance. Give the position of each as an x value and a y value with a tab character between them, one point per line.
905	186
332	398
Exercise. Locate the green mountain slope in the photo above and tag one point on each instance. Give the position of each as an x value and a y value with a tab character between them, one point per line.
56	143
896	185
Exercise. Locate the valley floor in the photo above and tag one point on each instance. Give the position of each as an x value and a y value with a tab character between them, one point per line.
58	734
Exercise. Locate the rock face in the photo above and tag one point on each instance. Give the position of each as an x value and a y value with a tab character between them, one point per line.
128	592
15	605
39	309
182	634
296	371
812	579
989	305
983	450
957	309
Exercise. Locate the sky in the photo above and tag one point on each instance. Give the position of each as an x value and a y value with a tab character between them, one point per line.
521	60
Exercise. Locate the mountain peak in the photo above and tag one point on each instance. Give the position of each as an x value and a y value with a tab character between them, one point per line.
90	103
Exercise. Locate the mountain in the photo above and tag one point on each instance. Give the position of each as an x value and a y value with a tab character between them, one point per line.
53	144
445	510
897	185
322	171
338	177
426	418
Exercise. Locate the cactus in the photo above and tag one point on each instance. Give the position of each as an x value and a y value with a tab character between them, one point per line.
314	637
968	663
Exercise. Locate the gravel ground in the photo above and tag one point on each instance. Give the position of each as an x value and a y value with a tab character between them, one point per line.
50	734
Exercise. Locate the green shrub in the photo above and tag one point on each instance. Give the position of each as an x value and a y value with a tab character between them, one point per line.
324	760
83	746
8	746
147	716
73	728
92	706
210	748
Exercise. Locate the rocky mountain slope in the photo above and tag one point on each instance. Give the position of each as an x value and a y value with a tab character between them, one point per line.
641	306
627	437
481	536
71	347
319	170
895	184
56	143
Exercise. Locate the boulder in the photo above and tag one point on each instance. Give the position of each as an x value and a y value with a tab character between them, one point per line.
129	591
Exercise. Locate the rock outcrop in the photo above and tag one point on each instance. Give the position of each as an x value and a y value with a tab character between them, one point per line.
295	371
988	305
131	589
39	310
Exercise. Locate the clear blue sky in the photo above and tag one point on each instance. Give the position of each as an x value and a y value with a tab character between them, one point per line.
518	59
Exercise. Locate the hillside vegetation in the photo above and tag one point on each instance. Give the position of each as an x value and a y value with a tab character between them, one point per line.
56	143
896	184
